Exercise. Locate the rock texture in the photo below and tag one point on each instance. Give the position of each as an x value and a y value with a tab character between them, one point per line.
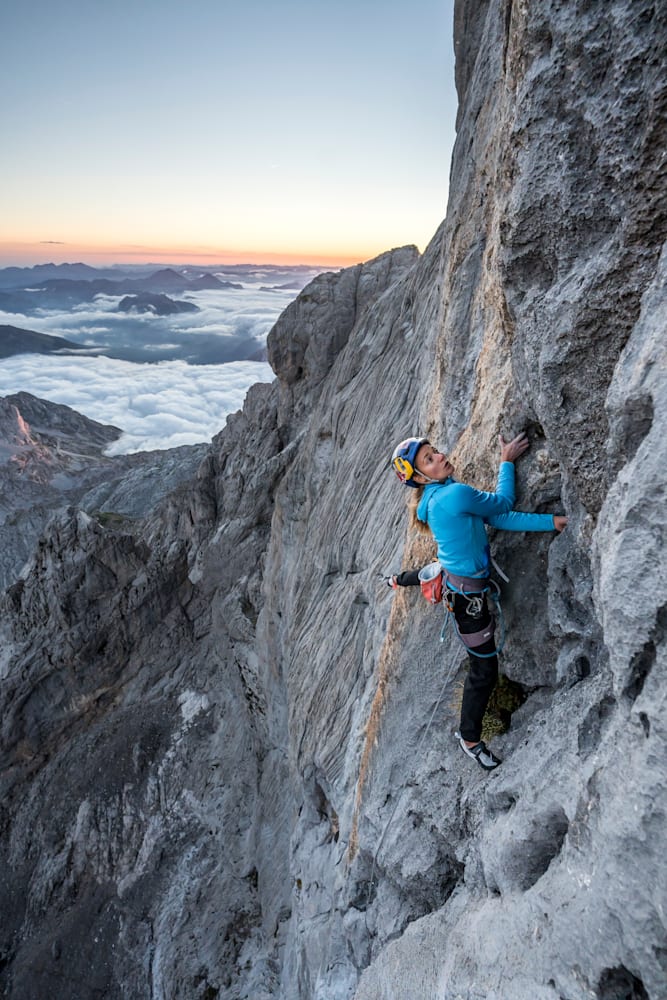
52	457
227	756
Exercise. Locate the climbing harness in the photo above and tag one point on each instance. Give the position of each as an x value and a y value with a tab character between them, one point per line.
476	595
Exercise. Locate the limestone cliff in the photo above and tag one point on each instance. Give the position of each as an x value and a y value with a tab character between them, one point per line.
227	756
51	456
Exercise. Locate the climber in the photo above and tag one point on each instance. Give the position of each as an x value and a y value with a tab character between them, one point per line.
456	514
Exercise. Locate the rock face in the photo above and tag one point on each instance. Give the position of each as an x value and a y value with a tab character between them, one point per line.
227	756
52	457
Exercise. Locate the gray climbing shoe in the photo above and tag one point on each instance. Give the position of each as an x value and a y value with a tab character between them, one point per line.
481	753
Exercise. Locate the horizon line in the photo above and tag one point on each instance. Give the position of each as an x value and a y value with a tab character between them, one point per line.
182	263
16	254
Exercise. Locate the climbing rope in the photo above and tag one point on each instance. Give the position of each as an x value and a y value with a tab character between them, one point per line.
405	785
438	290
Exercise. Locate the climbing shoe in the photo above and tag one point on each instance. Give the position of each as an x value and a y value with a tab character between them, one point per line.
481	753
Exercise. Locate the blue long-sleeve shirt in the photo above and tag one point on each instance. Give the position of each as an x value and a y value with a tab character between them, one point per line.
458	514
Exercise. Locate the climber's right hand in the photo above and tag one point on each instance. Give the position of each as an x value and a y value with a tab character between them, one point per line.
510	450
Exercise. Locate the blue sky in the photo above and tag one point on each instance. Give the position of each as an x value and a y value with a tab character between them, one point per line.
230	131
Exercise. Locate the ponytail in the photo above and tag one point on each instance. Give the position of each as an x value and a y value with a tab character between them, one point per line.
413	502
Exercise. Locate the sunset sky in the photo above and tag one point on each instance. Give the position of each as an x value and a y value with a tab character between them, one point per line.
213	131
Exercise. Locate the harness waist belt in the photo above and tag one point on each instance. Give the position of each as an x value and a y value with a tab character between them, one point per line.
466	584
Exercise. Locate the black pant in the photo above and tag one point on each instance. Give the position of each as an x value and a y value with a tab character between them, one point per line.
483	673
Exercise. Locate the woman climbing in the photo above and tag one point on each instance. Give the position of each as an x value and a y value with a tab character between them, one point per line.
456	514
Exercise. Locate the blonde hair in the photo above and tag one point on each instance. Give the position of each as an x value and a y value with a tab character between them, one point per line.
413	502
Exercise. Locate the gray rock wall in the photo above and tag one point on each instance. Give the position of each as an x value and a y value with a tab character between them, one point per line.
227	758
553	278
52	457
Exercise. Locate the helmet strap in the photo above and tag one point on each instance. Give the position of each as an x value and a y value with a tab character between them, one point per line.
427	478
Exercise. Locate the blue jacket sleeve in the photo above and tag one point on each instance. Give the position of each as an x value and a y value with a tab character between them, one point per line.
516	520
462	499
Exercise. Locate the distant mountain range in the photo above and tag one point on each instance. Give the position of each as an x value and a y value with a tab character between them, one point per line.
21	277
21	293
31	277
137	315
297	275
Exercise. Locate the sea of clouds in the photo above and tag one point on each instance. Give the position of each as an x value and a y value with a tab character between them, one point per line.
157	406
154	379
230	325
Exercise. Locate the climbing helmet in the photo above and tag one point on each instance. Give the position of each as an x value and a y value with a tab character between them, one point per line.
404	457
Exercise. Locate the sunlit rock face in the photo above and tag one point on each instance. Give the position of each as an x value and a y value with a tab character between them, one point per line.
227	747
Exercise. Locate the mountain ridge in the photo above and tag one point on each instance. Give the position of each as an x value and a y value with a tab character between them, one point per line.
16	340
52	457
58	292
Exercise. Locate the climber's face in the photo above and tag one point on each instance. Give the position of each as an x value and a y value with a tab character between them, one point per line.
431	464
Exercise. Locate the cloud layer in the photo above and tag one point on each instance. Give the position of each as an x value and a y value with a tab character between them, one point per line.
157	406
231	325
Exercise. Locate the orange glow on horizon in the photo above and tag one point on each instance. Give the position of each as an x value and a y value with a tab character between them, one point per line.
26	254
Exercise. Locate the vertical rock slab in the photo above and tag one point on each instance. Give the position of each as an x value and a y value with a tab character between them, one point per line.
552	319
